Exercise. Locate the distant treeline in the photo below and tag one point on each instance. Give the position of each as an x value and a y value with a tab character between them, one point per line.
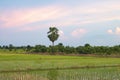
61	49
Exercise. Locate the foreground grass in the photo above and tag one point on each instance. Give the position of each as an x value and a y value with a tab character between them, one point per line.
10	62
56	67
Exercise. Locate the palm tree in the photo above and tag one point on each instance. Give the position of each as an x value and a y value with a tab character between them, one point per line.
53	34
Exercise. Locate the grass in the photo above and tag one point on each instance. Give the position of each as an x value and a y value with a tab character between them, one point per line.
9	62
80	74
55	67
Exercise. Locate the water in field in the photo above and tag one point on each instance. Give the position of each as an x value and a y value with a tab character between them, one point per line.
66	74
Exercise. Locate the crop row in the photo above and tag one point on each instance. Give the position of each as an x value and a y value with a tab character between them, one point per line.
79	74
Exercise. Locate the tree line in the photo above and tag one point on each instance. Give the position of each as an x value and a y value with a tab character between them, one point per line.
61	49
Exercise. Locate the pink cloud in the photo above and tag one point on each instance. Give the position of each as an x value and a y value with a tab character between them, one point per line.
118	31
79	32
60	16
26	16
110	31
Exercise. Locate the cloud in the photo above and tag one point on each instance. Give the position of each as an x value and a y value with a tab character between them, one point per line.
78	32
116	32
21	17
62	35
93	13
61	15
110	31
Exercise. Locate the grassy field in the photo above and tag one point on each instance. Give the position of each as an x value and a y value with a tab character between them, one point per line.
56	67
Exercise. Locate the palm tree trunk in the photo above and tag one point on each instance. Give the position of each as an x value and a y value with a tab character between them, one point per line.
53	48
53	44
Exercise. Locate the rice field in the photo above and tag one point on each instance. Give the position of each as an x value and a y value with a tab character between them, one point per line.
71	74
46	67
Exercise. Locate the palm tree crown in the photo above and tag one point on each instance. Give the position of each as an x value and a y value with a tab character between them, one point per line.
53	34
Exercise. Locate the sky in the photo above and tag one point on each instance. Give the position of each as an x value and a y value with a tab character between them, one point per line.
26	22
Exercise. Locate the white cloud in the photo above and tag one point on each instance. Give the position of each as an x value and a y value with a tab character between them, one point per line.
91	14
78	32
116	31
62	35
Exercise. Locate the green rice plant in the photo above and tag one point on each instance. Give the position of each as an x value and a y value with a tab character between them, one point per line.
52	74
68	74
46	67
10	62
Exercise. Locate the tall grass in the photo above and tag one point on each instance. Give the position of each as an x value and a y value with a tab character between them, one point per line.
79	74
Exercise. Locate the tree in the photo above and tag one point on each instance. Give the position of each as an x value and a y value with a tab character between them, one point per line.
28	48
10	47
60	48
53	34
87	45
40	48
